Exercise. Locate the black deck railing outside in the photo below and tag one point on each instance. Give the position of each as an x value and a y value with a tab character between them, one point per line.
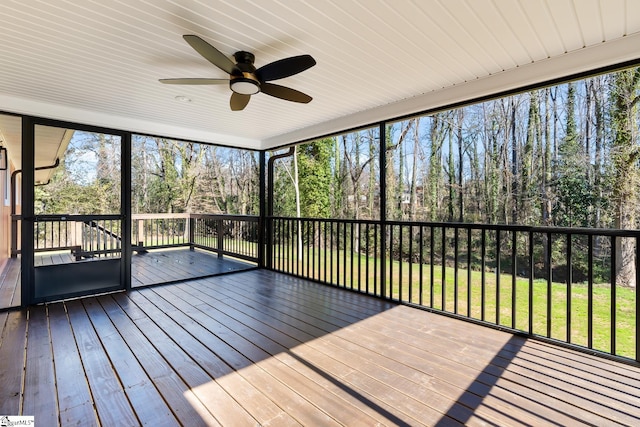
99	236
559	284
552	283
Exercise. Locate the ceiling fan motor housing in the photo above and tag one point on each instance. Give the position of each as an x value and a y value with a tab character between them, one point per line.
245	82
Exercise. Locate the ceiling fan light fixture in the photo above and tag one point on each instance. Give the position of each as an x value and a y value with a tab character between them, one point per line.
245	86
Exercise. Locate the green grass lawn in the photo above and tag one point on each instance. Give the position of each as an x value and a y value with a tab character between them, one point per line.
412	283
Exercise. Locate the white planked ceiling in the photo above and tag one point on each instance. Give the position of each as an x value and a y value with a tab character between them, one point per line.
99	61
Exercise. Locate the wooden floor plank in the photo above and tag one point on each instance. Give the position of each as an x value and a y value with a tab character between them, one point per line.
239	320
13	341
245	356
349	415
222	406
184	404
145	399
473	364
111	402
10	284
74	397
39	371
254	401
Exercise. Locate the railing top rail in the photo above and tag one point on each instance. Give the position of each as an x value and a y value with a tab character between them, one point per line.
160	216
193	215
77	218
251	218
479	226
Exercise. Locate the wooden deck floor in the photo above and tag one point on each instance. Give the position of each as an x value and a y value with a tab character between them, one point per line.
260	348
10	292
169	265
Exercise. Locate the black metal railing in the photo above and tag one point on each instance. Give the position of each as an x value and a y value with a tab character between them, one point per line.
95	236
562	284
233	235
156	231
85	236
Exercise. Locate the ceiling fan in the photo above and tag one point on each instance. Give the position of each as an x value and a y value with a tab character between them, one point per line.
244	79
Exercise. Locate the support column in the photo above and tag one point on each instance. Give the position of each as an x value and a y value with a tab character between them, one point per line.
383	208
27	235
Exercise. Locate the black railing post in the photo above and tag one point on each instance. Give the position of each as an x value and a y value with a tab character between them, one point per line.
262	222
26	229
191	223
220	235
383	208
269	202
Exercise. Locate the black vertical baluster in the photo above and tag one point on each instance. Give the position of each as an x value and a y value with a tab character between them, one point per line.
308	248
469	272
514	270
335	255
531	274
421	268
410	237
400	258
390	287
284	244
444	271
590	293
59	234
351	249
331	280
324	243
276	244
431	270
313	250
344	254
569	284
290	247
287	239
279	243
549	283
359	255
455	269
614	259
304	248
300	245
375	258
366	249
483	273
498	268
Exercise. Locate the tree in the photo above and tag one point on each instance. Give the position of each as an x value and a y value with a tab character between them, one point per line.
625	154
573	190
